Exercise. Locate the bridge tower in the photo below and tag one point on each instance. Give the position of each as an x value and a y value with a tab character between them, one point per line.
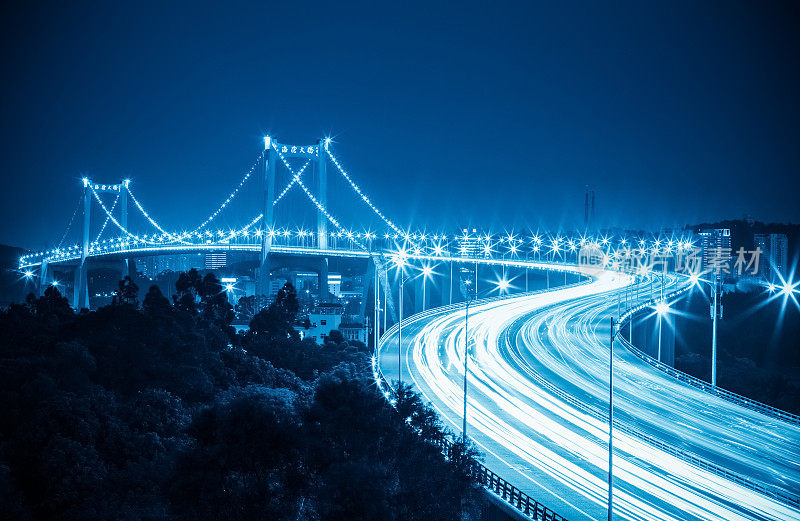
315	153
321	165
270	159
81	291
80	296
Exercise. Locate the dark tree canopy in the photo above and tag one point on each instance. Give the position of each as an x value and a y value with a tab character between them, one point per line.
160	413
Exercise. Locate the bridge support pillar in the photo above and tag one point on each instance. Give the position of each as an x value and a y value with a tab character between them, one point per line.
43	276
322	280
270	158
123	208
81	292
322	194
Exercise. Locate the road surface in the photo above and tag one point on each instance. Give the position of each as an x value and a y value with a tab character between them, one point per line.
538	402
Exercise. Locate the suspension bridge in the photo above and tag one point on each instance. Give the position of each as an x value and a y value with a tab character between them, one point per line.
533	368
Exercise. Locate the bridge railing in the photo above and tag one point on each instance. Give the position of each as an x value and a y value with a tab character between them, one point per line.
738	399
482	475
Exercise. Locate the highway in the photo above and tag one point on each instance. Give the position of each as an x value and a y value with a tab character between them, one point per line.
538	402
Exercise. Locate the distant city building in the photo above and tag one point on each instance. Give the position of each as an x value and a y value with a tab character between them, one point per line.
152	266
715	245
761	240
216	260
469	244
774	249
335	284
778	249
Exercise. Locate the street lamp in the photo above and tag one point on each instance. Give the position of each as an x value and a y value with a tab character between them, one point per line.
716	312
613	334
400	263
662	308
427	272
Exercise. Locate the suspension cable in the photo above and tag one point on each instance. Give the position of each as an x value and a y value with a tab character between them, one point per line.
118	225
314	200
71	220
232	194
102	228
292	182
173	238
360	193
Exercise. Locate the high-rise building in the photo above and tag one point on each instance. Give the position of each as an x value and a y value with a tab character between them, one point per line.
778	248
716	250
774	248
216	260
761	241
470	244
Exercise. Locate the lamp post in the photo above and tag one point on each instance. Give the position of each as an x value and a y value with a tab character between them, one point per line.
466	358
662	308
400	262
716	312
611	420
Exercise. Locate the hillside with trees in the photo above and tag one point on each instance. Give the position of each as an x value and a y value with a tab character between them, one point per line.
155	409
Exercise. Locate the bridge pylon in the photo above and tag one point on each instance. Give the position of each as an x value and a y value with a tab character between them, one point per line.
270	160
80	296
275	151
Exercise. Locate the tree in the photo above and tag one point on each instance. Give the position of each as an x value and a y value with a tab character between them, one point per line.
276	322
246	308
187	288
155	303
214	302
127	293
52	304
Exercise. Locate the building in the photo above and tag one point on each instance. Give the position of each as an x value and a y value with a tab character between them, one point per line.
216	260
354	332
761	241
335	284
324	318
470	245
154	265
778	249
774	249
715	246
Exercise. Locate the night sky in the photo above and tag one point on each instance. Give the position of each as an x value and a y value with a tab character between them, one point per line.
486	114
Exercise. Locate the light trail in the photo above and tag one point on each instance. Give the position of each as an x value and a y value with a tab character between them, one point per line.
538	394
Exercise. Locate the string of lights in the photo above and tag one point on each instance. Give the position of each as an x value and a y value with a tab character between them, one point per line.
232	194
173	238
292	182
71	220
316	203
360	193
103	228
118	225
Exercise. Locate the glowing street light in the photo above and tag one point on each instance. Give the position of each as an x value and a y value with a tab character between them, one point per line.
662	308
427	272
400	262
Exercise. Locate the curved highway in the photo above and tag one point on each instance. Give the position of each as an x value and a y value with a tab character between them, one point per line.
538	402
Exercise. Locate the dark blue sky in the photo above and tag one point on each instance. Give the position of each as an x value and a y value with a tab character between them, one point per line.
494	114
